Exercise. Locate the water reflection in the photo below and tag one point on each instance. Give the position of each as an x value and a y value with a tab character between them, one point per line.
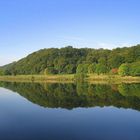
78	95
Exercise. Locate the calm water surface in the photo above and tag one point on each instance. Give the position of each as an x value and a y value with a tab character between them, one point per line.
69	111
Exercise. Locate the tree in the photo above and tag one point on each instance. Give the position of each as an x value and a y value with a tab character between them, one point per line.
92	68
101	67
124	70
50	70
68	60
134	69
115	60
70	68
7	72
1	72
82	68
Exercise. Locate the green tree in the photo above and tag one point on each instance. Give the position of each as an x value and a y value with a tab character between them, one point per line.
92	68
115	60
135	69
50	70
124	70
67	60
69	69
82	68
101	67
1	72
7	72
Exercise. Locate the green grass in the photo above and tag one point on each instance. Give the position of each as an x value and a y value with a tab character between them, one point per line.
113	78
70	78
31	78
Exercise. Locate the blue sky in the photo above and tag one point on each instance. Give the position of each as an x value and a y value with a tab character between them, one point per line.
30	25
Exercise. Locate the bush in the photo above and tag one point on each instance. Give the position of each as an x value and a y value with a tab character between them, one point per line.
135	69
124	70
82	68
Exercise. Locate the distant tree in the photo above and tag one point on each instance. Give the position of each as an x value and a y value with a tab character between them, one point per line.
133	54
1	72
82	68
7	72
71	60
134	69
60	64
124	70
101	67
92	68
115	60
50	70
70	68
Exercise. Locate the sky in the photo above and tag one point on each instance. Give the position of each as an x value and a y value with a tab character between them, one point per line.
29	25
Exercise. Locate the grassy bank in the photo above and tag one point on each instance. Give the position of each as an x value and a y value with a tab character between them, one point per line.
113	79
38	78
70	78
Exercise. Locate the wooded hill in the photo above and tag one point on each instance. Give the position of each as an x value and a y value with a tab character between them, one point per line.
69	60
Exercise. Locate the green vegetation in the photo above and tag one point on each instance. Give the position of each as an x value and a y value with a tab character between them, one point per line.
71	78
123	61
78	95
124	70
39	78
80	77
132	69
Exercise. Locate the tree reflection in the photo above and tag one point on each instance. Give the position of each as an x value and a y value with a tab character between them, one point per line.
70	96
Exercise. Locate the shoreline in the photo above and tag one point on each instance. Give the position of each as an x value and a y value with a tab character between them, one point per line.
69	78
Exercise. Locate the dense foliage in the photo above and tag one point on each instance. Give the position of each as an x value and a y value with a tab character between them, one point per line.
71	60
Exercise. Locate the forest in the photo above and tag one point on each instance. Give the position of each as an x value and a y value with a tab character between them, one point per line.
123	61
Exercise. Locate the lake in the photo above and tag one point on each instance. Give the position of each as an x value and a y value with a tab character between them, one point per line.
82	111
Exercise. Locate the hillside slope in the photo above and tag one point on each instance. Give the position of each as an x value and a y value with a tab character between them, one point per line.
66	60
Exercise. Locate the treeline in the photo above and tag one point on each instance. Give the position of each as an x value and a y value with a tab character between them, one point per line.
69	60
